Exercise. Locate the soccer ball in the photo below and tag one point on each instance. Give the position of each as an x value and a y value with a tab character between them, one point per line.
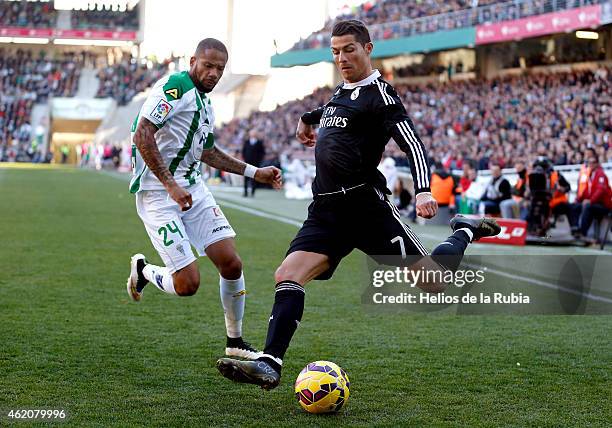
322	387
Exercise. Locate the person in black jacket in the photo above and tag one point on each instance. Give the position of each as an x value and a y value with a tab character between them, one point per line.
350	208
498	190
253	152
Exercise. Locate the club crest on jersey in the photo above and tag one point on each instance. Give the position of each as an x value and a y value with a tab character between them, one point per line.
355	94
161	110
172	92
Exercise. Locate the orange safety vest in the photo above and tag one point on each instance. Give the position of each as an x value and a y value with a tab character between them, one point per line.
583	179
558	196
518	185
442	189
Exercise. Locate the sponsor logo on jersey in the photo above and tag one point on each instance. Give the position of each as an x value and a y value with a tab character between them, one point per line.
355	94
330	120
172	92
217	212
158	280
180	249
220	228
161	110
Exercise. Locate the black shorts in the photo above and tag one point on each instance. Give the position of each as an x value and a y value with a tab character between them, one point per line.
362	218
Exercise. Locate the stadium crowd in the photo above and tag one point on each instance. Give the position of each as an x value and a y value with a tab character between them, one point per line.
401	18
530	122
39	14
101	19
123	80
509	118
26	78
27	14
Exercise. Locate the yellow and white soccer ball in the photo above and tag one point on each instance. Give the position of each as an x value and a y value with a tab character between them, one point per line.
322	387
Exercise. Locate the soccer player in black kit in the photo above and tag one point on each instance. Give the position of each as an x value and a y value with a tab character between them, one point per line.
350	208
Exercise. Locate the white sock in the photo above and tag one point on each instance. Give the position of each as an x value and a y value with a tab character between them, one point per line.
160	277
233	298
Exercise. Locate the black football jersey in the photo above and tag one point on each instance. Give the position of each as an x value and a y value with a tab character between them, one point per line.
354	128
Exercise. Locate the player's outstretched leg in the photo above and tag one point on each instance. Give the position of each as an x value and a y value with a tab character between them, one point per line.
286	315
257	372
465	231
298	268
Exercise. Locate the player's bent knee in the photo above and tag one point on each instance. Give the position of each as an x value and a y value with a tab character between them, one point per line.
286	273
231	268
186	283
186	288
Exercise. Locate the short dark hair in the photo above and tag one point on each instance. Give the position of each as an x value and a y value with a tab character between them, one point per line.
211	43
354	27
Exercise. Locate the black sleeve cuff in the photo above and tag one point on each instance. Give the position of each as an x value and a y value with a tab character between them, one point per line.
312	117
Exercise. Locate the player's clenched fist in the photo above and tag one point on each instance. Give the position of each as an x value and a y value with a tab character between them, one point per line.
269	175
181	197
305	134
426	205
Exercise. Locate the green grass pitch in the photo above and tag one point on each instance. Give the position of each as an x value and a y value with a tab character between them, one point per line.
70	339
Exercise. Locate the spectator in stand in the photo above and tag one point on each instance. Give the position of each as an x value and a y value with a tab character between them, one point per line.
516	207
585	173
443	187
466	177
497	190
595	201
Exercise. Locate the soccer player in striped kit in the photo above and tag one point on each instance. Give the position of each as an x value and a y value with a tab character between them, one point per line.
171	135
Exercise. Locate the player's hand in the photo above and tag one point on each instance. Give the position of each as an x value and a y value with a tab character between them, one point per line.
269	175
426	205
181	196
305	134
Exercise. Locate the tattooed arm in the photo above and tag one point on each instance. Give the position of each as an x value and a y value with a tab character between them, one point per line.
144	138
220	160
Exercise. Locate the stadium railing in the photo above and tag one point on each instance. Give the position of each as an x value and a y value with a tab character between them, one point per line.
470	17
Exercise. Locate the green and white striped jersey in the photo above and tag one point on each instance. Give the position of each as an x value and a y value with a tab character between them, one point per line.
185	119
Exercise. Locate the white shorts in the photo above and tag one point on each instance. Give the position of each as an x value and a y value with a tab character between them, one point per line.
173	231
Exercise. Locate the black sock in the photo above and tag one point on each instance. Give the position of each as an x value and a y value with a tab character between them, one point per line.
286	316
449	253
142	281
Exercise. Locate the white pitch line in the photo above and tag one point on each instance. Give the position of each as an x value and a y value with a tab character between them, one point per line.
536	282
540	283
259	213
296	223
